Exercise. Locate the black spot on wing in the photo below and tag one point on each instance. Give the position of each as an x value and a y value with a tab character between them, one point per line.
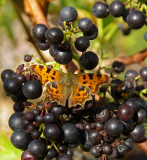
99	75
84	82
41	67
90	76
84	76
82	88
78	94
52	78
54	73
48	70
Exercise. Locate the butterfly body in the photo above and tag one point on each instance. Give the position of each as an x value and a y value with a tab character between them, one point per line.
77	88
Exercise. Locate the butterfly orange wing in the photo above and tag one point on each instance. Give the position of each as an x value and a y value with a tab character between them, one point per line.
92	80
52	80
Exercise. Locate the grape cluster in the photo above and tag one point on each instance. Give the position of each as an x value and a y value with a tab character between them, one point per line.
46	130
61	40
105	128
134	18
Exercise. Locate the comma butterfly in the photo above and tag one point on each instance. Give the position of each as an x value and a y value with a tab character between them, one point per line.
77	88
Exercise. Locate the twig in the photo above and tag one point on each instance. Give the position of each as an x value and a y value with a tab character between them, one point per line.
26	28
136	58
37	12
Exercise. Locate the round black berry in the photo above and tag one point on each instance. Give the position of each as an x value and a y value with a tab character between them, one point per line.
12	87
43	45
89	60
113	127
39	31
100	9
52	131
82	43
32	89
136	19
143	73
26	156
118	67
68	14
85	24
6	74
20	139
117	8
27	58
64	157
37	148
131	74
54	35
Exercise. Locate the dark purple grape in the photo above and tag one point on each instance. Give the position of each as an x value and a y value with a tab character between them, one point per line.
64	157
107	149
131	74
96	151
20	78
36	112
29	116
117	8
35	134
82	43
39	119
122	149
52	153
89	60
12	87
102	116
143	73
38	149
62	56
118	67
20	139
27	156
113	127
136	19
92	34
52	131
32	89
18	107
71	133
16	121
137	103
62	148
141	116
27	58
30	127
57	110
127	12
54	35
128	85
99	126
49	118
94	136
87	127
6	74
125	112
39	31
138	133
68	14
145	36
100	9
43	45
85	24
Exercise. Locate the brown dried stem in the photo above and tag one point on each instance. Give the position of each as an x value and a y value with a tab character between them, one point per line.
136	58
37	12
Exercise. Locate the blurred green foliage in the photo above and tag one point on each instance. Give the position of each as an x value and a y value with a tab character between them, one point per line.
7	150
